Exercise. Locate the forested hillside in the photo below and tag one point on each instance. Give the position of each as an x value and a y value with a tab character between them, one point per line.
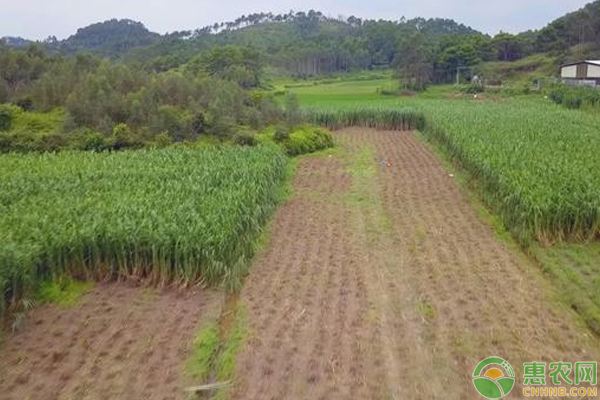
303	44
581	27
112	38
117	84
108	38
86	102
310	43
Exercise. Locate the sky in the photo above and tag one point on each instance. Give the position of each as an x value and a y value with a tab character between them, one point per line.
38	19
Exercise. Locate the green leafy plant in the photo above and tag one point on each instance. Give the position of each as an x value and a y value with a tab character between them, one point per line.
574	97
533	160
282	133
204	352
8	113
65	291
307	139
245	139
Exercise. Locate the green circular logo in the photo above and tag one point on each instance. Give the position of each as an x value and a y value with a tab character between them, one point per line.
495	383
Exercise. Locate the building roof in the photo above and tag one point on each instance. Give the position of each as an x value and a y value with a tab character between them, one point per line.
594	62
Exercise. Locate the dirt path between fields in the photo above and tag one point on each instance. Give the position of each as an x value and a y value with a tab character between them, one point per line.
120	342
381	282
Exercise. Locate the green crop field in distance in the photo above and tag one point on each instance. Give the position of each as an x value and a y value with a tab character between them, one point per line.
358	87
351	91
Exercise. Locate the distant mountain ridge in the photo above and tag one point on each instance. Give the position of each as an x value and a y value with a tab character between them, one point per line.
16	41
298	39
108	38
116	37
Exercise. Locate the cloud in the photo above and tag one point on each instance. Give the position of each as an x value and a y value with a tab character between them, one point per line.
38	19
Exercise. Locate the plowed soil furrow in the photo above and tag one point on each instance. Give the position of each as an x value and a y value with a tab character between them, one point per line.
307	298
381	282
474	296
121	342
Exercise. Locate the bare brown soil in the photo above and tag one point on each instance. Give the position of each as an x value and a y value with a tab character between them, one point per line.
387	285
120	342
312	332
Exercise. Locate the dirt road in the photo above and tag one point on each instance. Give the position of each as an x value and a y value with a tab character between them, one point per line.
382	282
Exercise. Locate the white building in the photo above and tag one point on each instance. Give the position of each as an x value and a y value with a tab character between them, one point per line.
583	73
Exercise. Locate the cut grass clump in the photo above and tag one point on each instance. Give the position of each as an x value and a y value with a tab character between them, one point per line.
216	348
176	215
426	310
204	351
233	342
64	292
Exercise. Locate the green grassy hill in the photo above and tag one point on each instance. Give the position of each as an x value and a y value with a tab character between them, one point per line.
527	69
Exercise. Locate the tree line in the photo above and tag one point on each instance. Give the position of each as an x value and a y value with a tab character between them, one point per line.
120	84
112	103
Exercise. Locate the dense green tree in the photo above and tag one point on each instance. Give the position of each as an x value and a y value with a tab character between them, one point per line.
413	62
293	113
553	38
240	64
576	28
118	83
451	58
509	46
7	114
300	43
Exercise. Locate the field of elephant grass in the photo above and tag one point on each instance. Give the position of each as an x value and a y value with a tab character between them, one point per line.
377	117
536	161
533	163
177	215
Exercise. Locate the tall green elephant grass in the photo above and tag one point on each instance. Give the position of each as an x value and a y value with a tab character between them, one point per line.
535	164
395	118
538	163
177	215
